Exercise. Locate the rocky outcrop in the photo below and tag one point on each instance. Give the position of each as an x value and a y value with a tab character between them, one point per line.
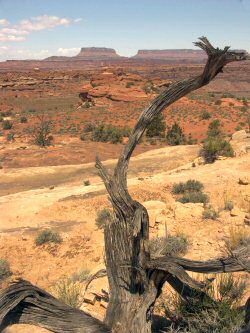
182	55
97	53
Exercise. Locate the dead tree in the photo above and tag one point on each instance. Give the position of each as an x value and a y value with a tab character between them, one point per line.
135	277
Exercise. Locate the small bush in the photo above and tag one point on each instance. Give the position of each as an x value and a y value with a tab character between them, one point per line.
214	128
86	182
194	197
175	135
48	236
109	133
218	102
214	147
172	245
103	217
68	292
210	214
157	127
228	205
4	268
88	128
23	120
129	84
189	186
205	115
237	237
7	125
202	315
80	276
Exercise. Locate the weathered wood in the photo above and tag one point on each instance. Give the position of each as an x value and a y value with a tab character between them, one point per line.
24	303
135	279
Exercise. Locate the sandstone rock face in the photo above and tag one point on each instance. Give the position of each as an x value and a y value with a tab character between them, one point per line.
187	55
243	181
127	95
187	210
93	53
239	135
155	211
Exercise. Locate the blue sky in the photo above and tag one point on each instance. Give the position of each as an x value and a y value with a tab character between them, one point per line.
40	28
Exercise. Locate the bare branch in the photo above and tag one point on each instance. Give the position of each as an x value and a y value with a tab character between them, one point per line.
24	303
239	261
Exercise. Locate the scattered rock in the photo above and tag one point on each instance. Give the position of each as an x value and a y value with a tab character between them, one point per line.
187	210
235	212
89	298
239	135
52	187
243	181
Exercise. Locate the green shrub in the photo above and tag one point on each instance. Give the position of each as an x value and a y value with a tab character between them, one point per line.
205	115
109	133
88	128
175	135
68	292
129	84
4	268
214	147
189	186
210	214
202	315
214	128
48	236
1	119
172	245
7	125
23	120
126	131
157	127
104	216
86	182
218	102
194	197
228	205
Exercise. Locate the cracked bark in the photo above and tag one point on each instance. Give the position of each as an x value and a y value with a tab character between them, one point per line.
135	279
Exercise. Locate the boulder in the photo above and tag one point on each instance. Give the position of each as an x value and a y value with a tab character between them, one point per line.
187	210
155	211
239	135
243	181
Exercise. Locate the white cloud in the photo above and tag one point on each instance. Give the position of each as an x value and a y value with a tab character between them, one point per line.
10	38
4	22
68	52
18	32
43	22
22	54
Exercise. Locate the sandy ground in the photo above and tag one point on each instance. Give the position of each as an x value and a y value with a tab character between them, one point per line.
70	208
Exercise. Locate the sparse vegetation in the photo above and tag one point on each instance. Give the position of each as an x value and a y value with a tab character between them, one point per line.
48	236
41	132
175	135
86	182
80	276
107	133
215	145
157	127
194	197
218	313
172	245
205	115
228	205
4	268
7	124
210	213
189	186
68	292
23	120
237	237
103	217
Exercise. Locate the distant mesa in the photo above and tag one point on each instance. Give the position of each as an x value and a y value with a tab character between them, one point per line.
92	53
185	55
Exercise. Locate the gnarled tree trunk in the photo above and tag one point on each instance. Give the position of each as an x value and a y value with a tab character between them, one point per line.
135	279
